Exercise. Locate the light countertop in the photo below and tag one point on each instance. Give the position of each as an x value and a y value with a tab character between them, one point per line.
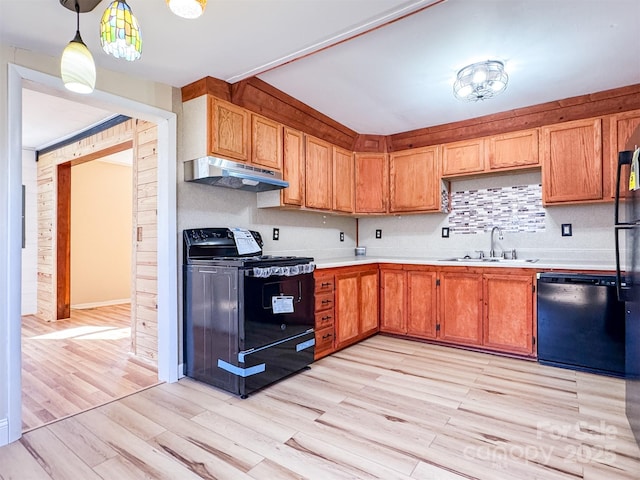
521	263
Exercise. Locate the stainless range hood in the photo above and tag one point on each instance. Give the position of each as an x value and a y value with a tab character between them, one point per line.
226	173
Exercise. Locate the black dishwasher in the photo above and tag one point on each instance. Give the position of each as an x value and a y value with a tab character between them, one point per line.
581	323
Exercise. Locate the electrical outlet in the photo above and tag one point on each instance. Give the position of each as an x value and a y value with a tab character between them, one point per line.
276	234
378	233
445	232
342	236
567	231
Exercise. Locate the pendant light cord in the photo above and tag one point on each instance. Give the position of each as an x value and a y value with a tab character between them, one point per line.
77	17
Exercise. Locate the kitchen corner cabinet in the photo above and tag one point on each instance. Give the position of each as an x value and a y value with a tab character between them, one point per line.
293	168
343	180
318	174
463	158
408	301
508	313
572	162
356	309
372	182
266	142
414	181
324	313
229	132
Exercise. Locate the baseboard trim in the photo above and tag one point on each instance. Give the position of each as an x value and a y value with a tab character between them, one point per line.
180	370
82	306
4	432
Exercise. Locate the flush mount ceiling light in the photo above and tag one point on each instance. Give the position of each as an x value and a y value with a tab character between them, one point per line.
481	80
77	69
187	8
119	32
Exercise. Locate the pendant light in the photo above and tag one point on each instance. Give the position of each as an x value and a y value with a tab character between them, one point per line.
119	32
77	69
187	8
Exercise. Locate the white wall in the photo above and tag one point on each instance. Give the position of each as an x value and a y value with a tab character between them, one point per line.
420	235
30	251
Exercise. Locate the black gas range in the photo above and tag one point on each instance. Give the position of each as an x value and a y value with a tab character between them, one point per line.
248	317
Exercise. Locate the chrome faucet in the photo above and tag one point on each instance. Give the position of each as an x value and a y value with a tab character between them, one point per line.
492	251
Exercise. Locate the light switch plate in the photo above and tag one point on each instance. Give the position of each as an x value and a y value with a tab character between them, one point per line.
567	231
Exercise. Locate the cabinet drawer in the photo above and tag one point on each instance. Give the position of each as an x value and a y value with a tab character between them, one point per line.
324	301
324	319
324	342
325	284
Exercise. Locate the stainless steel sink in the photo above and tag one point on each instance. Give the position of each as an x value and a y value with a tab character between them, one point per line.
489	260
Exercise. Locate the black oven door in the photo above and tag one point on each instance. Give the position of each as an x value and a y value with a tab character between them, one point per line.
275	308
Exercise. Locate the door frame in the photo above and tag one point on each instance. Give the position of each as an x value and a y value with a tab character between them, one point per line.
167	228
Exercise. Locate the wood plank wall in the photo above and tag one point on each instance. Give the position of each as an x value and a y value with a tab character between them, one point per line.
144	298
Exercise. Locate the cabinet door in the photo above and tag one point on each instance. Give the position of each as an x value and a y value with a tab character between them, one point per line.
572	162
372	182
508	322
414	182
513	150
318	174
393	301
369	293
461	308
343	180
266	145
293	166
461	158
347	308
421	304
229	135
625	135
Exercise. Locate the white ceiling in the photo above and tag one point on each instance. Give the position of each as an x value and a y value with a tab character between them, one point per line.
392	79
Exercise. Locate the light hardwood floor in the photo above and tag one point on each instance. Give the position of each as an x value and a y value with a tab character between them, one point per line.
73	365
385	408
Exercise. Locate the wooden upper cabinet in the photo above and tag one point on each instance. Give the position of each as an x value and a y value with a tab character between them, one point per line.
229	133
572	162
414	181
372	182
461	308
318	173
293	167
266	142
624	129
508	322
462	158
343	180
512	150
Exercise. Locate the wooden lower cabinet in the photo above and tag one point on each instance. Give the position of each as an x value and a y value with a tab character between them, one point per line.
356	304
461	308
324	313
408	301
487	308
508	313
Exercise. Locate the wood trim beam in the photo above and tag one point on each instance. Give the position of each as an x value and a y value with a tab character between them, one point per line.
574	108
260	97
63	244
207	85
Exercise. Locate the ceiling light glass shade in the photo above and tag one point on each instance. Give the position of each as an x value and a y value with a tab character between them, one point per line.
480	80
120	33
77	69
187	8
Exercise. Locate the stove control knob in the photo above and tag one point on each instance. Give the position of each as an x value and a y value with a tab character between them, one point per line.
283	327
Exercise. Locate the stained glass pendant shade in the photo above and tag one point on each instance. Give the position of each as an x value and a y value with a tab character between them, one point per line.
120	32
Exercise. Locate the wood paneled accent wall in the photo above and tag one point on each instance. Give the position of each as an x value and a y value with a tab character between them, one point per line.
260	97
144	299
51	295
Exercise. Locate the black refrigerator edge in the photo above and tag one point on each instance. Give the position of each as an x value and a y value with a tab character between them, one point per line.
628	283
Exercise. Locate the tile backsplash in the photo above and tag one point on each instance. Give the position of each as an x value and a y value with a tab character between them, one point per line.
513	209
